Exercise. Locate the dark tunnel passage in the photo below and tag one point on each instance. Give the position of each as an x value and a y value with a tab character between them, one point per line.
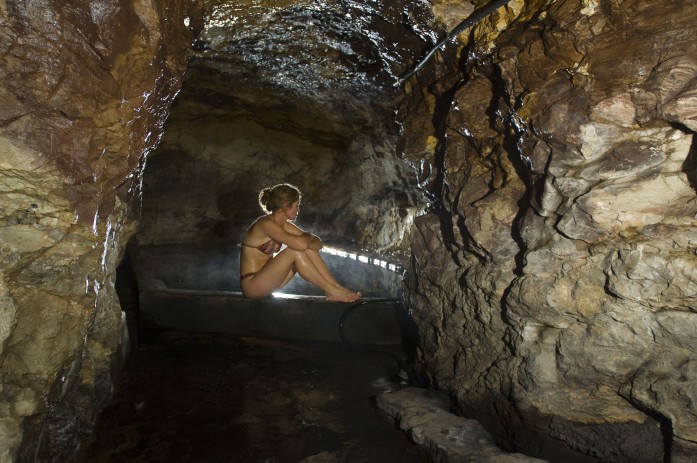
297	96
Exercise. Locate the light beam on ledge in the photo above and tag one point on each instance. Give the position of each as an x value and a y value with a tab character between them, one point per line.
363	258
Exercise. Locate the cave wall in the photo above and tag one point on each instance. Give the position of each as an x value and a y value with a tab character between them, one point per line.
553	278
84	91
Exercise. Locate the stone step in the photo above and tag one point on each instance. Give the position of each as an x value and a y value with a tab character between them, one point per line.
446	438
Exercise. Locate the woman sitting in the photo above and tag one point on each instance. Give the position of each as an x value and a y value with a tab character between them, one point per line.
264	268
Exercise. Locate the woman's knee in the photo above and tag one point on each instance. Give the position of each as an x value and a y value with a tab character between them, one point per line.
297	255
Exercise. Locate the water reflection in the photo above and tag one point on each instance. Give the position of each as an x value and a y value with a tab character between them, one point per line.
204	397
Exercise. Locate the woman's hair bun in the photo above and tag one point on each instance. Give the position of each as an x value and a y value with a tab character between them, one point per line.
277	197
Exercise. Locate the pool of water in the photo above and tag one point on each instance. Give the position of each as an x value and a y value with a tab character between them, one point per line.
216	398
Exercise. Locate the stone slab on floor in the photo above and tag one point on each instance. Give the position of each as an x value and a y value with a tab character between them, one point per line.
283	317
447	438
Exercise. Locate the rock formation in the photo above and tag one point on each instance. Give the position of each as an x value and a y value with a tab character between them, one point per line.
84	93
551	277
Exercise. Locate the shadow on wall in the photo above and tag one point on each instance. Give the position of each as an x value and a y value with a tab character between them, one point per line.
690	164
216	268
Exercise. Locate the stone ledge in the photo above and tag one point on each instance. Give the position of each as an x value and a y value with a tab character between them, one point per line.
423	415
283	316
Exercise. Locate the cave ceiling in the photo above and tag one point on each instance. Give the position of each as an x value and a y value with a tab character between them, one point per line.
335	60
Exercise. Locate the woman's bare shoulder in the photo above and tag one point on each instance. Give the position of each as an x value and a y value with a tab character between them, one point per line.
259	221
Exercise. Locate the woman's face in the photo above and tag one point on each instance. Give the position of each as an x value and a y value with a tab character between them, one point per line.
292	210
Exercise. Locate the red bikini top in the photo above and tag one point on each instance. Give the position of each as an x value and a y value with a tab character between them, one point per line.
270	247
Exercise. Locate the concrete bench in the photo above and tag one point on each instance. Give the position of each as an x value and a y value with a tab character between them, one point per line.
283	316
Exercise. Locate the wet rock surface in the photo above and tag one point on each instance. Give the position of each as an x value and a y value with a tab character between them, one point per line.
83	94
205	397
424	415
561	244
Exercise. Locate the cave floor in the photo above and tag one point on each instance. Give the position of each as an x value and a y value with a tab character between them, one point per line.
216	398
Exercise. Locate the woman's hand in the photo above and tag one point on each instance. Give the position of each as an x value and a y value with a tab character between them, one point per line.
291	235
315	242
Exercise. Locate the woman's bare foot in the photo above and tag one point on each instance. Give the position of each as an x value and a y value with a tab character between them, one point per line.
343	296
342	288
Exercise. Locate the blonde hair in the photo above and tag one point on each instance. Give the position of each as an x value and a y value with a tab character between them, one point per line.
278	196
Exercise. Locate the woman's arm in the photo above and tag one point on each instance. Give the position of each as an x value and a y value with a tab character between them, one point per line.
294	238
315	242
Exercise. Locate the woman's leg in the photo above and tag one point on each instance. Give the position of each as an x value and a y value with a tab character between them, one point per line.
322	268
313	267
278	272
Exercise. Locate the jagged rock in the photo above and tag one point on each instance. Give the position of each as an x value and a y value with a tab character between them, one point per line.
447	438
576	303
83	95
